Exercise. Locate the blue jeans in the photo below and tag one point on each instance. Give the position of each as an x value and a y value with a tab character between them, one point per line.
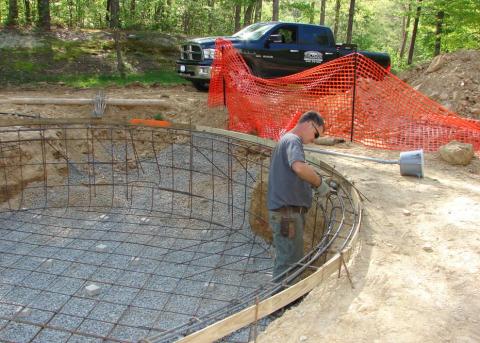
288	251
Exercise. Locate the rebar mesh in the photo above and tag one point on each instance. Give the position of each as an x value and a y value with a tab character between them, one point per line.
157	218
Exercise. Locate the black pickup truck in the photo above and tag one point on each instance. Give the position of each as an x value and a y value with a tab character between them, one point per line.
271	49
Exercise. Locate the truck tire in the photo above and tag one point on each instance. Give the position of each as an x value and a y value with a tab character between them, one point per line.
201	85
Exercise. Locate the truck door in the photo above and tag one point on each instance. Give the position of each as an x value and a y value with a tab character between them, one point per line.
317	45
279	55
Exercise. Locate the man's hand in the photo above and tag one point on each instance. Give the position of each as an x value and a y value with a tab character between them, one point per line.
327	187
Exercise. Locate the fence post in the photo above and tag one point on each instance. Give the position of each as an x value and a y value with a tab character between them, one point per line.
223	80
354	94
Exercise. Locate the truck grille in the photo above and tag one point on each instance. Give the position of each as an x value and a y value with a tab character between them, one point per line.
191	52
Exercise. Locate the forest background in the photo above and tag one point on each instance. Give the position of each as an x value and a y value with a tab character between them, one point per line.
411	31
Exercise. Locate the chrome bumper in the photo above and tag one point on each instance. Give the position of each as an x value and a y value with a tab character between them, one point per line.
193	72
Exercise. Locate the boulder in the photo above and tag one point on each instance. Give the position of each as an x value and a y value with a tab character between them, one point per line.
457	153
153	42
328	140
436	64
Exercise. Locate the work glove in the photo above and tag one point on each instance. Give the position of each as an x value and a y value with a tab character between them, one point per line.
327	187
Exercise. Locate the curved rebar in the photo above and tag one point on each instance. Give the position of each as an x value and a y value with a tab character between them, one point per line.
159	218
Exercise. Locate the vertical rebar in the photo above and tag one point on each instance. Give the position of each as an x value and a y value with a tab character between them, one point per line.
44	163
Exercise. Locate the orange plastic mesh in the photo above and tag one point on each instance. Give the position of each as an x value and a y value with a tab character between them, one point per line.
387	113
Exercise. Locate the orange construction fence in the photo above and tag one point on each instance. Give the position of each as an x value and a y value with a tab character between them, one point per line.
359	100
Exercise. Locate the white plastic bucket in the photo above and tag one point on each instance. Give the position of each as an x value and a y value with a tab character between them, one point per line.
411	163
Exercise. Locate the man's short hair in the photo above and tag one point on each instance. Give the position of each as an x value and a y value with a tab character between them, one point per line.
312	116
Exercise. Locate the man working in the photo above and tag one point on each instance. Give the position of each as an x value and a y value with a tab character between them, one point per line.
290	183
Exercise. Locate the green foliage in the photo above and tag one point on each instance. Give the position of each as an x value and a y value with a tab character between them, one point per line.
377	23
25	66
158	116
166	77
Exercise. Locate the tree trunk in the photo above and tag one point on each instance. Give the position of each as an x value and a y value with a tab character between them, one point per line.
28	13
157	12
276	10
414	32
211	4
186	22
247	17
12	19
238	11
133	6
337	18
351	14
44	14
312	12
80	15
438	32
118	50
114	14
323	5
115	25
258	11
405	31
107	13
70	14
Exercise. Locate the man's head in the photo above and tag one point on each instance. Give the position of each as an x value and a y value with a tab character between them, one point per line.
310	126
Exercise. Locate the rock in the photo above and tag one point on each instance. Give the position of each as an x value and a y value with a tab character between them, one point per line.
417	87
303	338
24	312
443	96
407	213
48	262
475	110
449	106
134	260
101	248
92	290
328	140
209	285
153	41
457	153
437	64
135	84
427	248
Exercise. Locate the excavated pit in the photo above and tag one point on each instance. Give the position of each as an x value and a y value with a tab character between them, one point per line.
117	233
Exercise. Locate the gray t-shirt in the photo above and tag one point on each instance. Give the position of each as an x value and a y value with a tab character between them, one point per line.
285	188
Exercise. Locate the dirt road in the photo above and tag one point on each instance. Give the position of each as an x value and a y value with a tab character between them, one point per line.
416	275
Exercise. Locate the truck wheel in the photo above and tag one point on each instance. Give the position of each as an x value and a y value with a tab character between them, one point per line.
201	85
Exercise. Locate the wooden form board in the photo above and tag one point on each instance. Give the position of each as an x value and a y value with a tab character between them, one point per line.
82	101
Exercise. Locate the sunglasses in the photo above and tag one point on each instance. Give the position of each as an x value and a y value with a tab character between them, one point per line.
317	134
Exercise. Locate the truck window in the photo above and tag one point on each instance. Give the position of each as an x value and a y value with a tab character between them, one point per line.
288	34
253	31
314	36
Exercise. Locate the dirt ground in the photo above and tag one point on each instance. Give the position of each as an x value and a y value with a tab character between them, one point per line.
416	274
182	104
452	80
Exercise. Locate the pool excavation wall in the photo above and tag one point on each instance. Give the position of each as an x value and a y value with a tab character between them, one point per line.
116	232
